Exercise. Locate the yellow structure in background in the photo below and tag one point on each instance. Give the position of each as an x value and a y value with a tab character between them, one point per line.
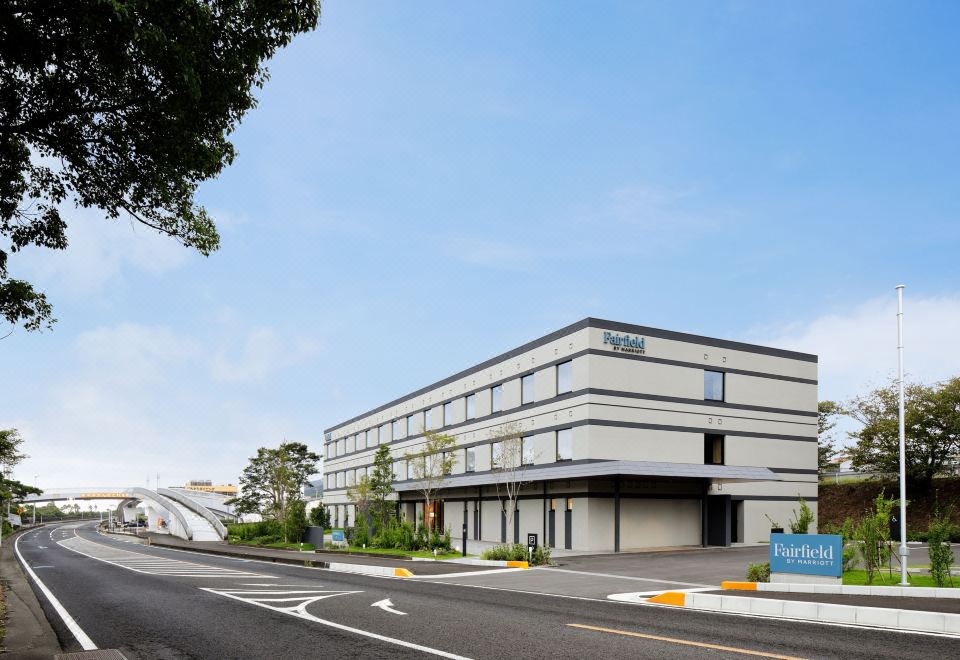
208	487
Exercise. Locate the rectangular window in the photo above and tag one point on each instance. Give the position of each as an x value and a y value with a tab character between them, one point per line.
341	446
398	469
526	389
412	428
448	413
565	377
381	434
396	429
713	385
496	455
339	479
496	398
329	450
526	449
471	406
712	449
470	459
350	480
448	467
427	415
565	445
329	482
362	440
409	469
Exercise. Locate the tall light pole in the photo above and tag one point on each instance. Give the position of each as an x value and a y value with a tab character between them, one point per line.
35	504
904	550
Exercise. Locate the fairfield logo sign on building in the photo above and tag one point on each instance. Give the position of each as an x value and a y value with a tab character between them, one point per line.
625	343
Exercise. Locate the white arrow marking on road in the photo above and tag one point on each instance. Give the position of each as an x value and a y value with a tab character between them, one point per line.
387	606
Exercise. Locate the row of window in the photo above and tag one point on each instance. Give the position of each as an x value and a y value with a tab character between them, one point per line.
413	425
503	454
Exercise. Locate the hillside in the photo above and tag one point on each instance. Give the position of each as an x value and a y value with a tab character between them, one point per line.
838	501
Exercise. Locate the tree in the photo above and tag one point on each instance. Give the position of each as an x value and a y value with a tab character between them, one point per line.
273	480
827	412
381	486
361	496
10	456
319	517
123	106
295	521
932	424
510	465
430	467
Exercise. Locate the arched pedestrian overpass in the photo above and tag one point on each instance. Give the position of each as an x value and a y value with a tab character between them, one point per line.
188	514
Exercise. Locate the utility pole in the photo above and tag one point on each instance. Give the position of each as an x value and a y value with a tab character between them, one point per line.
904	550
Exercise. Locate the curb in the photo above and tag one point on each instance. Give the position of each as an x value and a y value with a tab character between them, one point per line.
341	567
844	589
488	562
875	617
29	633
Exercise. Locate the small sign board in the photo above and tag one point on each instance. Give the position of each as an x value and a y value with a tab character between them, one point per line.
14	520
338	535
532	541
807	554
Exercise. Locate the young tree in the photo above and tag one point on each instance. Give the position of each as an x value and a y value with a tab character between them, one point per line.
295	521
430	467
510	465
361	494
125	107
273	480
827	412
319	516
932	422
381	486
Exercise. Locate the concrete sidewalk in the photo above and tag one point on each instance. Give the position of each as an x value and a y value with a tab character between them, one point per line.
321	559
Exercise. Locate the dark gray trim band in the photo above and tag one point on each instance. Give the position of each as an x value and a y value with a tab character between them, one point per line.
770	498
591	322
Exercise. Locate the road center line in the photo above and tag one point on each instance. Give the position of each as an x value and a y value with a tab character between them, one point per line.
685	642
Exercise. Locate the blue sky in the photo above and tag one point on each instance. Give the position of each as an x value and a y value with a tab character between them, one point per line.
424	186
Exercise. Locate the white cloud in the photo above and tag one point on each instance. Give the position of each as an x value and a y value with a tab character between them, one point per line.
100	250
858	346
132	353
263	352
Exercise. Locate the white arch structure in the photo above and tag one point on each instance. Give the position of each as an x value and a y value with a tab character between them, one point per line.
190	515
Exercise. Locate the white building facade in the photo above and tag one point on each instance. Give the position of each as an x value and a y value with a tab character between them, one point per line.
635	437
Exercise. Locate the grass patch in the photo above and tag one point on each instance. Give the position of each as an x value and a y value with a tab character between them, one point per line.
424	554
278	545
885	579
3	613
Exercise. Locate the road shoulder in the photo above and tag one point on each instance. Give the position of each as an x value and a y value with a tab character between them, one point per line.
29	634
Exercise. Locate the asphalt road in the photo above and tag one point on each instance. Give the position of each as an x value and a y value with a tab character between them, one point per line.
160	603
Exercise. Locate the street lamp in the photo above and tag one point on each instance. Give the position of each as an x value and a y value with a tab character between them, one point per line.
35	504
904	550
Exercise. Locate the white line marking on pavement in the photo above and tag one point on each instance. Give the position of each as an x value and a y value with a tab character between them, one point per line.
387	606
301	613
85	642
622	577
640	596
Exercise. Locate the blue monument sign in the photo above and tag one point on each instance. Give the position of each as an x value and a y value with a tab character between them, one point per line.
806	554
338	535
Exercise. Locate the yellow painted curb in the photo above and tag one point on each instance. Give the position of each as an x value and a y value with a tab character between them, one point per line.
677	598
518	564
402	572
740	586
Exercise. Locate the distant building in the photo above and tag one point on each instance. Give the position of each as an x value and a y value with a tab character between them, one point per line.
208	487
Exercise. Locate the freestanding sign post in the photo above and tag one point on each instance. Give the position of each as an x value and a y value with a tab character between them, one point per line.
818	555
531	545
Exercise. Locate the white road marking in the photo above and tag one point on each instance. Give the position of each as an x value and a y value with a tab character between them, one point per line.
151	565
469	573
301	613
622	577
641	596
387	606
85	642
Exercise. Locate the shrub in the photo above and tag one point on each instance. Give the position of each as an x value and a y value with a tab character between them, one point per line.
250	531
801	522
296	521
541	556
941	556
758	572
360	535
319	516
872	535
